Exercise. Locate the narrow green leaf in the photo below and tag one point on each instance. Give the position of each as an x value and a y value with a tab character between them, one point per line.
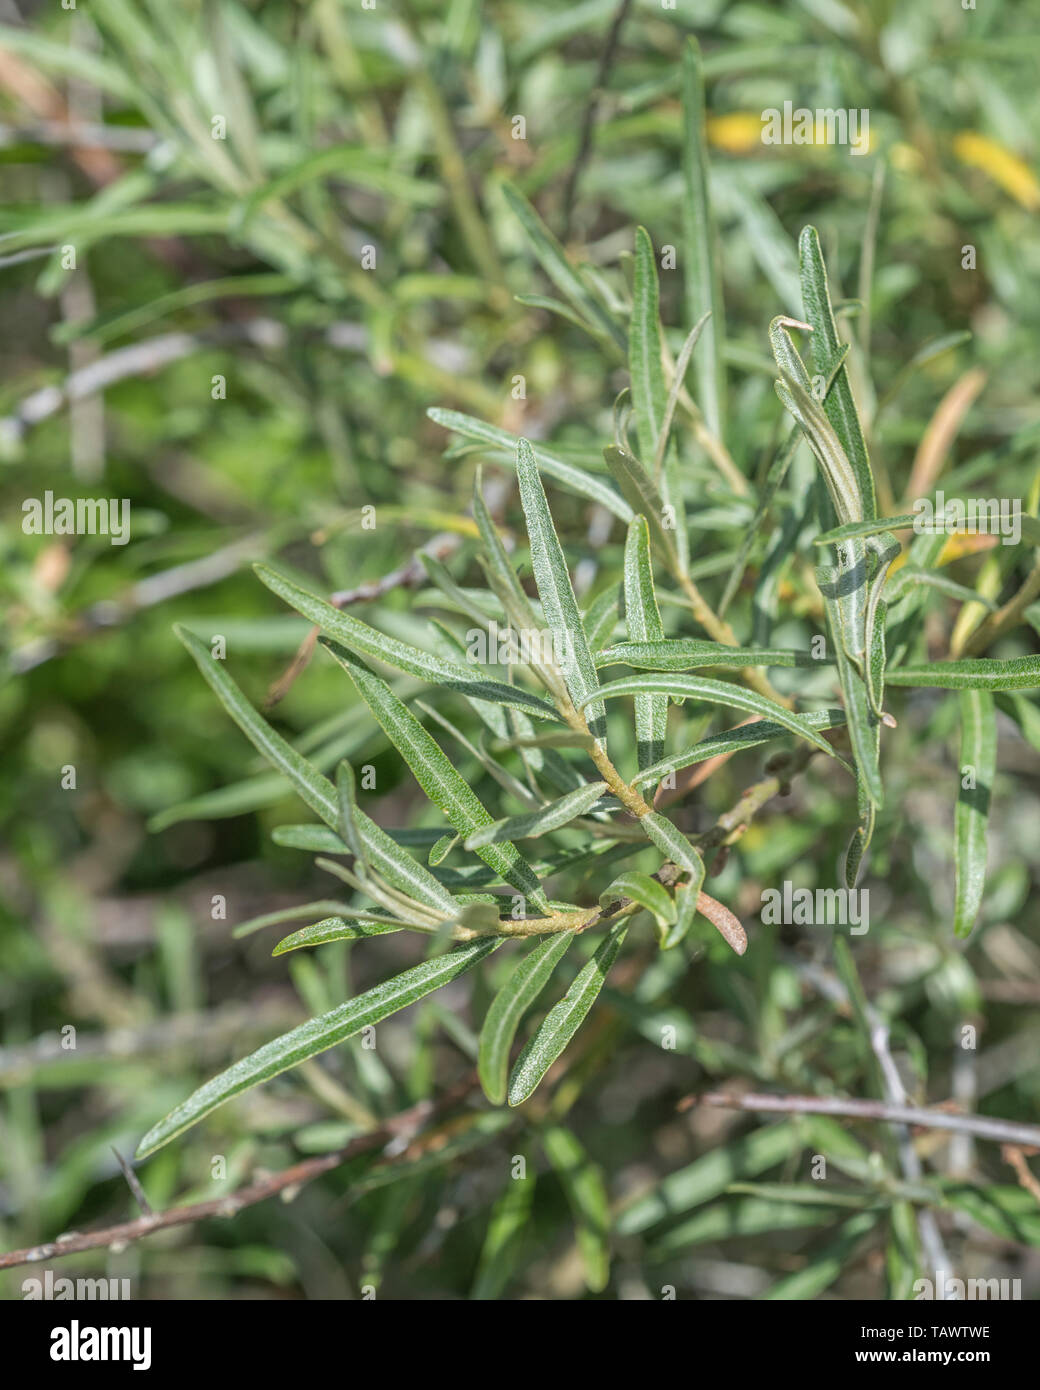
575	479
982	673
717	693
555	591
436	774
316	1035
839	406
708	1177
509	1220
554	262
909	577
515	601
735	741
839	591
702	280
582	1181
736	1216
366	641
398	868
645	891
440	851
643	619
672	843
686	653
643	495
978	765
338	929
686	895
1009	1211
825	1265
563	1020
644	350
540	822
290	914
866	528
508	1008
837	472
600	618
346	798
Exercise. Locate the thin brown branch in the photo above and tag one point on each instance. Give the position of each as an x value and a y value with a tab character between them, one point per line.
999	1131
134	1184
405	576
588	124
393	1138
1016	1157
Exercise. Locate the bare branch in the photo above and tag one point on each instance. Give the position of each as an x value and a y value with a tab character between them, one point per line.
999	1131
393	1138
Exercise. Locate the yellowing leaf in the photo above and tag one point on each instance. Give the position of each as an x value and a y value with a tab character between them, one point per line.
1008	170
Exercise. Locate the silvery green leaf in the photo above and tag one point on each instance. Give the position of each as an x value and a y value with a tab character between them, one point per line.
643	495
734	741
358	637
339	929
980	673
702	279
978	765
575	479
437	775
440	851
672	843
687	653
908	577
866	528
533	823
600	618
556	593
645	891
826	347
644	350
563	1020
316	1035
643	619
717	693
863	723
510	1004
346	797
327	906
837	472
399	868
554	262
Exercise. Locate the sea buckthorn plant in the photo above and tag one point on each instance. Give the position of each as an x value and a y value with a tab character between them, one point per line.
576	793
605	499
